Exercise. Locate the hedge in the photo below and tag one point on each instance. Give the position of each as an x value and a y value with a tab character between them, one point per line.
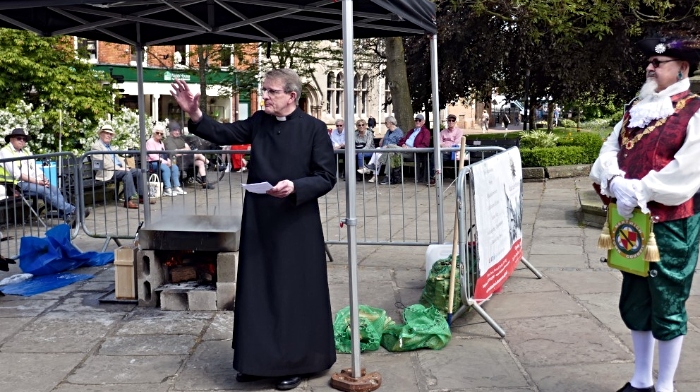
574	149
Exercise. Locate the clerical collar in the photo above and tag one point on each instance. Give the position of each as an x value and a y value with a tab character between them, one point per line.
281	118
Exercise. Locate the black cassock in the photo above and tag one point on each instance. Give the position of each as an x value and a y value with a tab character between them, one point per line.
282	320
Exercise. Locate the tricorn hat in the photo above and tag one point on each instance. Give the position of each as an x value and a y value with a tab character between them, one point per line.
17	132
684	49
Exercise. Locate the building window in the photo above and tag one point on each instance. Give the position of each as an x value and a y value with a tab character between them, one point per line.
87	49
132	50
226	56
364	93
389	108
181	56
338	93
330	91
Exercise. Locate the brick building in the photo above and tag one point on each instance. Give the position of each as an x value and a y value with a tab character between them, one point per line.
161	65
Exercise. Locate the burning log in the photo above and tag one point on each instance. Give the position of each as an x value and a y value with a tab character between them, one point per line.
183	273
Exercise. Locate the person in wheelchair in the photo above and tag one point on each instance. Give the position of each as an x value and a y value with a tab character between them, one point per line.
175	142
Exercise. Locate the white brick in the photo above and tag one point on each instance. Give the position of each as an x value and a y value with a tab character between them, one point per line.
225	295
201	299
226	267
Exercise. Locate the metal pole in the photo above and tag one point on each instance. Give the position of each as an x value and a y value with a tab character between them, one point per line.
437	156
142	126
526	123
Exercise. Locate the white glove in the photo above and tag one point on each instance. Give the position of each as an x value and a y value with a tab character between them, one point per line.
623	190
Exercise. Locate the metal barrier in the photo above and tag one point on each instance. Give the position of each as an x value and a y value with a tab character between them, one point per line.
483	271
113	217
30	206
395	214
400	214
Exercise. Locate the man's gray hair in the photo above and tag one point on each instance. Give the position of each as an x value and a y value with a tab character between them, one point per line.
390	119
339	120
289	78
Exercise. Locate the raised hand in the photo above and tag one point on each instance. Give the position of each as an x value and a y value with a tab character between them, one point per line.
188	102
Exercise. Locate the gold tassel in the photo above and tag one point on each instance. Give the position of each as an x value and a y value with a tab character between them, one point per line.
651	252
605	241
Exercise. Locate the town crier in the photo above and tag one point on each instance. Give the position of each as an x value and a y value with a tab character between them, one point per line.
650	161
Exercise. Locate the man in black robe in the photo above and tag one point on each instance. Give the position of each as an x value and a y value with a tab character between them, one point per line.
282	321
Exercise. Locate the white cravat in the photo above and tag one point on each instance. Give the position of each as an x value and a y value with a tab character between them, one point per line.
656	106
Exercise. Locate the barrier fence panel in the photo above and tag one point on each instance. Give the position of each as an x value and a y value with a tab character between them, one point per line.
213	191
35	196
490	211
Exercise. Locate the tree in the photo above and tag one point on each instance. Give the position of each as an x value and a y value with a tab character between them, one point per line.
397	78
47	74
572	48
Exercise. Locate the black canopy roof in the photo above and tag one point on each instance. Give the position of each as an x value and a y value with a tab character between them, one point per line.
167	22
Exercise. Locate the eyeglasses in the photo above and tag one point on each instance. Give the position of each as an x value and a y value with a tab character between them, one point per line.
656	63
271	92
418	119
361	125
451	120
22	138
159	133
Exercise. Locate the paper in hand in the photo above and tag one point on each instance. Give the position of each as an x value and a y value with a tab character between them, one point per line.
259	187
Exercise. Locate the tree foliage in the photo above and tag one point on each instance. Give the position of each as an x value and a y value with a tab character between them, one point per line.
576	51
47	75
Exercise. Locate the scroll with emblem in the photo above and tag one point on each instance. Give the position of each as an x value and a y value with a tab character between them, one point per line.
630	238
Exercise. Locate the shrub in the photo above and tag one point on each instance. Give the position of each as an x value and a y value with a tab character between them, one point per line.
566	123
537	139
573	149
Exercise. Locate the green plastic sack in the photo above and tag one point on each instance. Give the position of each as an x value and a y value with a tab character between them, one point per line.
424	328
373	321
437	287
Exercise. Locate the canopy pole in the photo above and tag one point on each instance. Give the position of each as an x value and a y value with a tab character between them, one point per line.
142	127
437	156
353	379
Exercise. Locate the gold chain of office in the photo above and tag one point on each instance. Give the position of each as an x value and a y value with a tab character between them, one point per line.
629	143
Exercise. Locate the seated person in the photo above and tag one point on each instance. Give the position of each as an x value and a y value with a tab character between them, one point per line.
364	138
169	172
389	140
418	137
175	142
114	167
451	137
338	139
30	179
238	162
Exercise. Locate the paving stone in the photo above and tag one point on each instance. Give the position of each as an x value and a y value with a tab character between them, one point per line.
549	248
603	377
604	307
10	326
524	281
87	302
221	327
156	322
210	368
22	307
147	345
489	364
66	387
61	333
35	372
127	369
586	281
542	262
524	305
548	341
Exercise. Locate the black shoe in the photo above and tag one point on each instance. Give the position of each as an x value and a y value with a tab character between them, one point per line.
87	213
629	388
207	186
385	182
287	383
371	167
242	377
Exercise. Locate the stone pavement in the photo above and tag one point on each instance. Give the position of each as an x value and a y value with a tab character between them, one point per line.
563	331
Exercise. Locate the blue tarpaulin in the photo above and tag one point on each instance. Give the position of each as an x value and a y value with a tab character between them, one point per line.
42	284
55	253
